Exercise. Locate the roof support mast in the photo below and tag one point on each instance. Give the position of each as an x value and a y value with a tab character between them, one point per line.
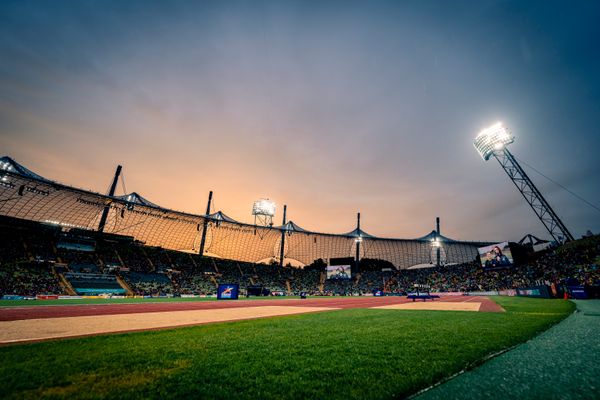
358	241
111	193
438	250
205	225
283	231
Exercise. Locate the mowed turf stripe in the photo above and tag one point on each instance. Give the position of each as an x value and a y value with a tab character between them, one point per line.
54	328
435	306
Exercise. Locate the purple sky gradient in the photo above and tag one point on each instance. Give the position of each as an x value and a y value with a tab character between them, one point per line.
328	107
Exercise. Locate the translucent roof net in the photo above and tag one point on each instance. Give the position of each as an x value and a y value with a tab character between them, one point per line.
26	195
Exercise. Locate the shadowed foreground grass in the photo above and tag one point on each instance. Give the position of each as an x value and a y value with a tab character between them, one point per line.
356	353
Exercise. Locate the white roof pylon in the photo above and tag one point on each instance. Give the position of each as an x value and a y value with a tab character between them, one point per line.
135	198
358	233
290	227
10	165
220	216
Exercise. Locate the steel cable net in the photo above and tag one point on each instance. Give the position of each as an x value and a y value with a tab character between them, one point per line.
240	241
49	202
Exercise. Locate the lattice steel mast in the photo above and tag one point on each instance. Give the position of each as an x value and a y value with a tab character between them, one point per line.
492	142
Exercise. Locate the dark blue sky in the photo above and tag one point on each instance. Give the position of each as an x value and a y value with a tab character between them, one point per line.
329	107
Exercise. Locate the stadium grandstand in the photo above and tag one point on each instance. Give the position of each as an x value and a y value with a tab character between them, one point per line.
29	196
32	263
50	246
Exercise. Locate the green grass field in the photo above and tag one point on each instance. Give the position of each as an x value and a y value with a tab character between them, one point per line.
353	353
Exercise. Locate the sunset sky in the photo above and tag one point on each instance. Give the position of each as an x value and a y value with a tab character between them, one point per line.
330	107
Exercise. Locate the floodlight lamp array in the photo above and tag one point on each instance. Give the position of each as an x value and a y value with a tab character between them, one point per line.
5	166
264	207
493	139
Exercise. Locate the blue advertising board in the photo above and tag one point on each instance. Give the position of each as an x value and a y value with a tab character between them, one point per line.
577	292
12	297
535	291
228	291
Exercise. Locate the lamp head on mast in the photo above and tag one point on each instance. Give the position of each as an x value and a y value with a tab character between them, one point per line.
493	139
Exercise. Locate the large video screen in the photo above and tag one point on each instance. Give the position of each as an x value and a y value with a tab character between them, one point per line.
496	255
229	291
339	272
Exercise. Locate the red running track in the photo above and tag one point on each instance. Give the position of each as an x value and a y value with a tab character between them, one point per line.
35	312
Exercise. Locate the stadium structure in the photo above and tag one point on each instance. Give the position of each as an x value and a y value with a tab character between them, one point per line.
29	196
494	142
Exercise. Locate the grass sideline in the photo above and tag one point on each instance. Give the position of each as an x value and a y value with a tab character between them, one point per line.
352	353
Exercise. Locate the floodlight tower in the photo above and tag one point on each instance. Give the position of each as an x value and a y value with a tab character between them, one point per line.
493	141
263	211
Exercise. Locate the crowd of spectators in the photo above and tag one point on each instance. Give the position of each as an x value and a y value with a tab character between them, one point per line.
31	261
304	280
28	279
149	284
93	283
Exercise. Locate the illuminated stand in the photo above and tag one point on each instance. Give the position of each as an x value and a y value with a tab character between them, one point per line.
493	141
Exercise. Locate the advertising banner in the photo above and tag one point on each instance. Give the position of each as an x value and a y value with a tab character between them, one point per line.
12	297
535	291
47	297
577	292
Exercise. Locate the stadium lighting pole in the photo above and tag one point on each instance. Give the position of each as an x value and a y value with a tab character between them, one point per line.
111	193
205	224
281	255
437	231
493	141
